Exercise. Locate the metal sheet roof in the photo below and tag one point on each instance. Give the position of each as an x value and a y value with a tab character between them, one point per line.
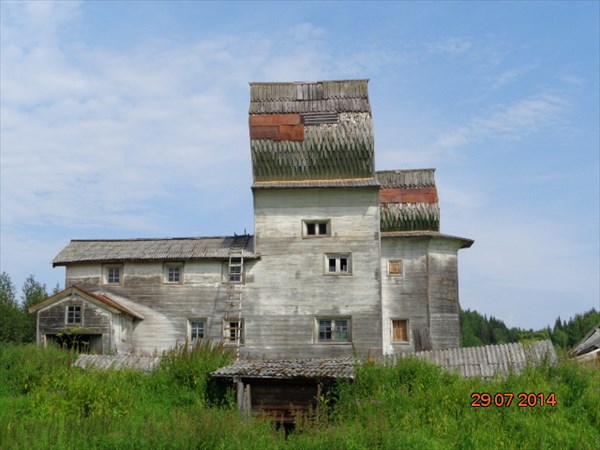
170	249
124	361
339	368
491	360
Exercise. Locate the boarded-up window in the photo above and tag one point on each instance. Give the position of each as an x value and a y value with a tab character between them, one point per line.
394	267
399	330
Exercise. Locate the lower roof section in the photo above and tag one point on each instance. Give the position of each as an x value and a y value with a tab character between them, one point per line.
310	184
464	242
168	249
332	368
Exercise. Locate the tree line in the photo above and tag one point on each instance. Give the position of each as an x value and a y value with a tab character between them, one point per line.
19	326
16	324
477	329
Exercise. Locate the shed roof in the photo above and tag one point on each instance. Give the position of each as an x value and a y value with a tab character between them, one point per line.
490	360
464	242
332	368
589	343
169	249
117	362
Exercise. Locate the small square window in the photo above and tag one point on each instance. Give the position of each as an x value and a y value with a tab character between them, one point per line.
338	264
395	267
316	228
173	273
334	330
113	274
197	329
73	315
400	331
233	332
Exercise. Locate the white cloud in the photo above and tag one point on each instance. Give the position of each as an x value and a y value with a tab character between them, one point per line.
512	75
450	46
513	122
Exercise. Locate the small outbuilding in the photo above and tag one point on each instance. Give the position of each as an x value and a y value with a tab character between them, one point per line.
588	349
285	389
89	322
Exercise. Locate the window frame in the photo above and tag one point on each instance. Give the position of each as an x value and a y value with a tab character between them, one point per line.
190	328
229	340
107	274
393	339
333	326
80	314
307	223
338	257
398	261
166	272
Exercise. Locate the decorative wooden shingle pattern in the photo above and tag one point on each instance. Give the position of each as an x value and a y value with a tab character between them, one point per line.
408	200
340	368
174	249
328	151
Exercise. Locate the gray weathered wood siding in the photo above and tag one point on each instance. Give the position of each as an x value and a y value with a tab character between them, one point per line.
95	321
166	307
289	290
443	294
426	294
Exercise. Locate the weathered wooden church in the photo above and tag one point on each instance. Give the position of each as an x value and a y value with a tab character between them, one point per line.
343	260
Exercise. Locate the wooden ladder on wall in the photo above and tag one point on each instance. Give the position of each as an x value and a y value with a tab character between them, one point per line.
232	322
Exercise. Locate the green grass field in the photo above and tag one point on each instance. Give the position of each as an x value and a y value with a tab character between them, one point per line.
47	404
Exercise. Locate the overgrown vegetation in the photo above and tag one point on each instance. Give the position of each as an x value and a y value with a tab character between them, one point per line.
45	403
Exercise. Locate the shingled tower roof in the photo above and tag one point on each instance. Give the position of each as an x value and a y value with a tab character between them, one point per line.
317	133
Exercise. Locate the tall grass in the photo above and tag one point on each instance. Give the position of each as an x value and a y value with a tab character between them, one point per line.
48	404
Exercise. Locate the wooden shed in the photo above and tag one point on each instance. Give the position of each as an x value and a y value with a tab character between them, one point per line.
90	322
285	389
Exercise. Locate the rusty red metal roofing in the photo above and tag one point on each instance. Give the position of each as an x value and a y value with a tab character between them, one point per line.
170	249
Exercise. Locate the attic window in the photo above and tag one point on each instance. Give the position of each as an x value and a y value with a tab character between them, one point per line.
73	315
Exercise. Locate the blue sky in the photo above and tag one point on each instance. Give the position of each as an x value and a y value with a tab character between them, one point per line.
129	119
